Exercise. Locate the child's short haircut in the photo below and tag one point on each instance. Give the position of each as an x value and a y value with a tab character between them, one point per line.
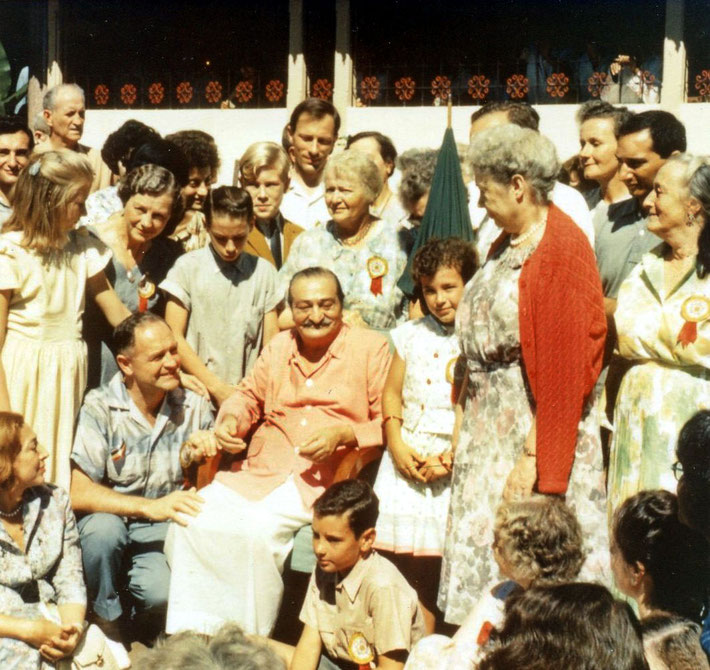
449	253
230	201
353	497
541	538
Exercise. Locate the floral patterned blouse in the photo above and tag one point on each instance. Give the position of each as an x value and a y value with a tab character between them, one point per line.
380	307
49	570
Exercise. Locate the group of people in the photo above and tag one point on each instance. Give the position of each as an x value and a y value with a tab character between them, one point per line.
528	394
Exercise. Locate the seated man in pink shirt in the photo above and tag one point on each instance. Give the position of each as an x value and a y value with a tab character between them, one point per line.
314	392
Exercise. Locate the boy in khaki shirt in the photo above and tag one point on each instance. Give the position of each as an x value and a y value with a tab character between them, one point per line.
359	610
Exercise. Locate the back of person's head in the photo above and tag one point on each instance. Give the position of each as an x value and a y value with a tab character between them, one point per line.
43	192
10	444
228	649
231	201
263	156
667	132
353	497
199	148
40	124
121	143
9	125
540	539
316	108
165	153
563	627
451	252
693	452
672	643
647	530
519	113
417	167
124	334
387	149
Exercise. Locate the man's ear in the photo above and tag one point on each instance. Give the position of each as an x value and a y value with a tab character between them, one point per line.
639	572
47	115
124	364
367	539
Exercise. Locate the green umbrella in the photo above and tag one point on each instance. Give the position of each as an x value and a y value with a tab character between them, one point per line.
446	212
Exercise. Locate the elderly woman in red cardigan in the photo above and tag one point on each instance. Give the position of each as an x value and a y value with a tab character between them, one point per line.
531	327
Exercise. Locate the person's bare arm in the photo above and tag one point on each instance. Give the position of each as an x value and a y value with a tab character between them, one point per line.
89	497
271	326
308	650
286	318
100	290
5	296
177	315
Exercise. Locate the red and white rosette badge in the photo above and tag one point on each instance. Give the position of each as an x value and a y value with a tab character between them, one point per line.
695	310
360	651
146	290
377	268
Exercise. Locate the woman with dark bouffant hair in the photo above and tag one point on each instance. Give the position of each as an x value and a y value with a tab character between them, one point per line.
564	627
692	470
658	561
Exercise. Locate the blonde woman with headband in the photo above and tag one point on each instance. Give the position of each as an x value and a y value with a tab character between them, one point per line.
46	269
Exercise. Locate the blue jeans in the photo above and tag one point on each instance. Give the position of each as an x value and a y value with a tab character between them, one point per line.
124	558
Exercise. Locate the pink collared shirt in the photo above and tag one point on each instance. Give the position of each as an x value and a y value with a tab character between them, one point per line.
291	404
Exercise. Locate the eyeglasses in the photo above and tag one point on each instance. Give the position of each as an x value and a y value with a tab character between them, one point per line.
677	468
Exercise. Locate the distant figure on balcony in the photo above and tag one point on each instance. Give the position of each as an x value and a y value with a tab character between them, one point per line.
64	110
202	156
313	129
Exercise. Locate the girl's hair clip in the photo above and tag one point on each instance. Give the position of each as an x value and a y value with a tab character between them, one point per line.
34	168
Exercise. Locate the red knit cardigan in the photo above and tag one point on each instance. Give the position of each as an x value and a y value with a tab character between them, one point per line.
562	332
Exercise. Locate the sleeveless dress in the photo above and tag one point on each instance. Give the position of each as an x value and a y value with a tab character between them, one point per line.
497	418
44	356
413	514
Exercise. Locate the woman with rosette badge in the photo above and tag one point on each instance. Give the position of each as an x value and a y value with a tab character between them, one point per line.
662	319
366	253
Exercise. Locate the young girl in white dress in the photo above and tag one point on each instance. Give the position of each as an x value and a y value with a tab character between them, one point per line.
413	482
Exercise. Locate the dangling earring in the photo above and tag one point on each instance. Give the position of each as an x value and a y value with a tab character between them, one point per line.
690	220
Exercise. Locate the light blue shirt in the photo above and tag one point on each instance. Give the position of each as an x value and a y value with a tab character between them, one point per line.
115	445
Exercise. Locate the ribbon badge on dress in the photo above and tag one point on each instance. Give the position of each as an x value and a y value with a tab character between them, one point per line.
377	268
146	290
694	310
360	651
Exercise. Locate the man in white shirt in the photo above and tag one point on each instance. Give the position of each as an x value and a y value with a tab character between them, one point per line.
570	201
313	130
15	147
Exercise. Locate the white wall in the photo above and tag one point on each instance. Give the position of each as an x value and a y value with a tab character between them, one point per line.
236	129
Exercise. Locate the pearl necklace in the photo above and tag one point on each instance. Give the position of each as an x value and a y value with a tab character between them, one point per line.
517	241
12	513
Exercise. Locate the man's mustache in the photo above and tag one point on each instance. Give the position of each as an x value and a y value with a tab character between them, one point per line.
322	324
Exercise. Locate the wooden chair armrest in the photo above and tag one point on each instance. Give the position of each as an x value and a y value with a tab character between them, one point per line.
354	461
198	475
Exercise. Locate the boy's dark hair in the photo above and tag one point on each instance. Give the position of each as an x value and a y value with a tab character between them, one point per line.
9	125
519	113
667	132
121	143
451	252
353	497
124	334
199	148
317	108
307	273
387	150
231	201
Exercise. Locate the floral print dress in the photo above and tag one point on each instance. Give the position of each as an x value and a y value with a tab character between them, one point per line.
497	418
412	517
670	383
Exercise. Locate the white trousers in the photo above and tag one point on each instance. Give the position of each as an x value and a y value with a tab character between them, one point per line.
226	563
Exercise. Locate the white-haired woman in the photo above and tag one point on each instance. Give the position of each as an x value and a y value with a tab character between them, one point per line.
663	324
367	255
531	327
